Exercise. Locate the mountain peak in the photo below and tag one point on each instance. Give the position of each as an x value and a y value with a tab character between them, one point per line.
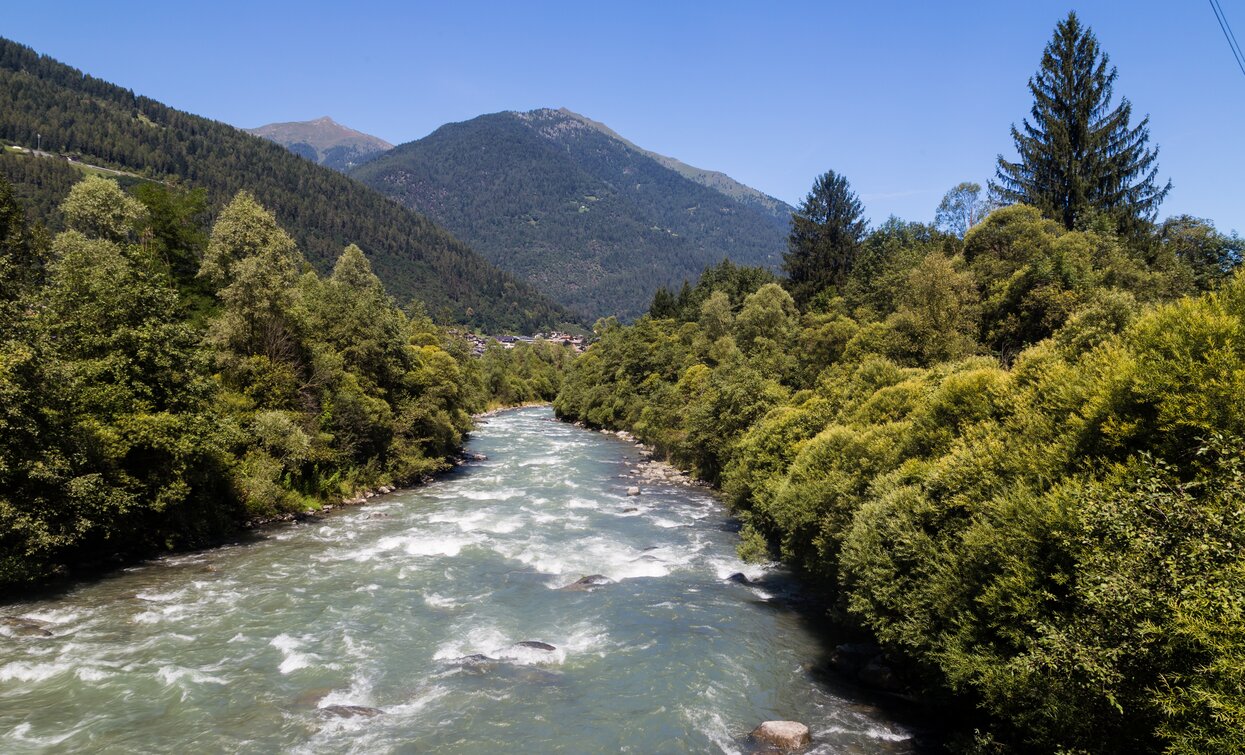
716	180
325	141
580	212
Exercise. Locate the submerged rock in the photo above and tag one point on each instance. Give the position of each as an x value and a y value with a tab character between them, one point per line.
351	711
535	645
16	626
590	582
739	578
475	659
786	735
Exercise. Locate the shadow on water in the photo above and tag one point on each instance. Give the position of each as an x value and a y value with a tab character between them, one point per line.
794	599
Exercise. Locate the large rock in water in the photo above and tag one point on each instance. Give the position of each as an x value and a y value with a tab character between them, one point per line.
590	582
16	626
786	735
351	711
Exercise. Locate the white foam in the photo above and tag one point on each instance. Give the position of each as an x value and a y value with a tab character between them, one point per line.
89	674
872	732
501	494
161	597
171	675
21	732
439	601
21	671
542	461
293	660
55	615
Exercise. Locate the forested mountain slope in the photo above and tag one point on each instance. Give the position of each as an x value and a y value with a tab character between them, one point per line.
73	113
561	201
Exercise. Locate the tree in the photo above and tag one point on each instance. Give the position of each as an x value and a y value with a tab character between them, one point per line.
1080	156
825	234
961	208
97	207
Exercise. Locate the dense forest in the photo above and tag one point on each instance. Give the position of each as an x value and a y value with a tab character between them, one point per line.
163	382
586	217
1010	446
76	115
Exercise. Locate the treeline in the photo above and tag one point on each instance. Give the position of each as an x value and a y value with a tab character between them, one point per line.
75	114
162	382
1016	458
1057	538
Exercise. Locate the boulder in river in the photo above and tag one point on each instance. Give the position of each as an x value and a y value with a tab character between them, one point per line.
16	626
351	711
633	490
785	735
590	582
739	578
535	645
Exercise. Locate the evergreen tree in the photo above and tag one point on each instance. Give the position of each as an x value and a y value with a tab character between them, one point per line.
1078	155
825	234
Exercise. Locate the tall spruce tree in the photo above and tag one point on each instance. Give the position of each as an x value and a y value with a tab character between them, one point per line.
825	234
1078	155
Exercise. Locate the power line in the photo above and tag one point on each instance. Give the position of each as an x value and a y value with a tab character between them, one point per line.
1227	33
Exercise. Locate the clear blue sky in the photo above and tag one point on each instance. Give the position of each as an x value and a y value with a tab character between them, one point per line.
904	98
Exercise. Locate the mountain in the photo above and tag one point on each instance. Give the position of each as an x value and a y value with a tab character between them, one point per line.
713	179
79	116
324	141
586	216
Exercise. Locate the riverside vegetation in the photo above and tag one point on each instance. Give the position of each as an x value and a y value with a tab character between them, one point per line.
1008	445
1012	455
161	384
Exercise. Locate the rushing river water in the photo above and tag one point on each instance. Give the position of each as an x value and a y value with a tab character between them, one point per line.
258	647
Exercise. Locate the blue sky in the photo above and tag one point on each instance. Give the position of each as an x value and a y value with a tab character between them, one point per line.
904	98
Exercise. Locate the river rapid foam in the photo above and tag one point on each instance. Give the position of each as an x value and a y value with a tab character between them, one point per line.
437	620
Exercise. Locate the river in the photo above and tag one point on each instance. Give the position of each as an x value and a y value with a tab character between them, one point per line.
261	646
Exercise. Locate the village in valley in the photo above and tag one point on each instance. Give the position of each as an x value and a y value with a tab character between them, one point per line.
480	343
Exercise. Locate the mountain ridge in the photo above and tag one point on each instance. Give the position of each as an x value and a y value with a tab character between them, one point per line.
712	179
586	216
75	114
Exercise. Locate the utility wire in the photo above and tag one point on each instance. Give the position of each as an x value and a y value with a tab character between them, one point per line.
1227	33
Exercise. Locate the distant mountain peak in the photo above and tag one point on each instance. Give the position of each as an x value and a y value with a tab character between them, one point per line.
716	180
325	141
580	212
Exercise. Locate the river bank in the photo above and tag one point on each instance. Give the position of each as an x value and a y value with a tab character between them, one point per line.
426	618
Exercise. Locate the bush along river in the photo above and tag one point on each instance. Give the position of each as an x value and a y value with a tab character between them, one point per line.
448	618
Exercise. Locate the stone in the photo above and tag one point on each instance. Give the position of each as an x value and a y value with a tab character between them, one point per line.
739	578
352	711
15	626
786	735
633	490
590	582
535	645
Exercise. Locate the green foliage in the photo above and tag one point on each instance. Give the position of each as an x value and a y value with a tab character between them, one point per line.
826	232
1052	537
132	423
571	208
1079	156
83	117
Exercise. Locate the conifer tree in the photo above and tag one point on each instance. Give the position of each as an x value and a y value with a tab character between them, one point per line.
825	234
1078	156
